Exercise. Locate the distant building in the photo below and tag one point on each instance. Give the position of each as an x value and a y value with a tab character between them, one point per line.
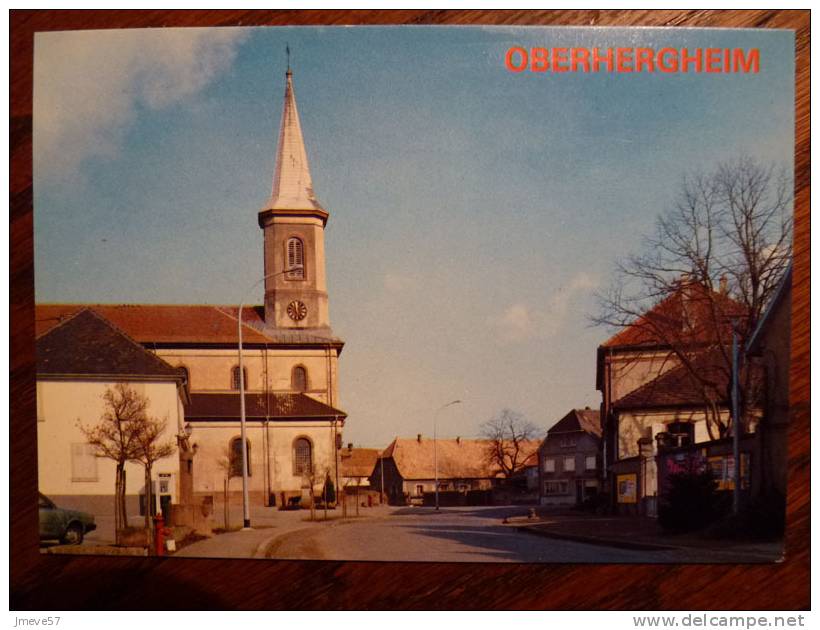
464	466
77	362
356	466
570	461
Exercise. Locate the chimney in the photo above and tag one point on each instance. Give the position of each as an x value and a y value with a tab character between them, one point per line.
724	284
418	437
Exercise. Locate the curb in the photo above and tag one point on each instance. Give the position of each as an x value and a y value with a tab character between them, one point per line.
594	540
264	547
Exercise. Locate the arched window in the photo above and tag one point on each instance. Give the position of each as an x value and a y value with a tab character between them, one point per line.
235	377
298	379
236	457
296	259
302	457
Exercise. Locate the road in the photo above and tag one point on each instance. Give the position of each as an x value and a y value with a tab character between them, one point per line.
456	535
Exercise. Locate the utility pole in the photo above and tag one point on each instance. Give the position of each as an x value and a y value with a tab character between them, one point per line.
246	506
435	445
735	420
381	494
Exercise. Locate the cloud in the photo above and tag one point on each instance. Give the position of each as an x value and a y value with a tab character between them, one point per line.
89	86
515	323
519	322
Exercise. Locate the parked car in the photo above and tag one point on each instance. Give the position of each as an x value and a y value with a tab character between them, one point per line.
67	526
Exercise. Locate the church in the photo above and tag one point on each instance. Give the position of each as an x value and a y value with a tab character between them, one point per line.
288	367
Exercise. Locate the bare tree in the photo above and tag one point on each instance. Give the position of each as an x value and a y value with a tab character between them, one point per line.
149	450
707	271
507	434
115	438
225	462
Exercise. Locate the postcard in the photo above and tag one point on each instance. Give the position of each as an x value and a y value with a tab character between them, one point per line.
456	294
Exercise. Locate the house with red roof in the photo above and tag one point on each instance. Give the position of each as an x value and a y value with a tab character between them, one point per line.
289	366
664	381
570	461
409	467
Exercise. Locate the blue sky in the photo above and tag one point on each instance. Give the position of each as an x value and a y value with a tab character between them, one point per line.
474	212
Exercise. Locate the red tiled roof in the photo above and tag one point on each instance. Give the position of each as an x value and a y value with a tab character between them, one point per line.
678	387
258	406
357	462
86	344
531	461
692	303
587	420
457	459
183	323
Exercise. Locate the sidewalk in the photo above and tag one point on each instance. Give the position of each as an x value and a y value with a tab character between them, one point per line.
267	524
633	533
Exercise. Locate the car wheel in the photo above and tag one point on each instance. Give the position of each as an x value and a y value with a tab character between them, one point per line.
73	535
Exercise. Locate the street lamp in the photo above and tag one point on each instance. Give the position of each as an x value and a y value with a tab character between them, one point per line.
435	444
246	507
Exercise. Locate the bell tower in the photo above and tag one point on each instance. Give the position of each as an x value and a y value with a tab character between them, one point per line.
294	222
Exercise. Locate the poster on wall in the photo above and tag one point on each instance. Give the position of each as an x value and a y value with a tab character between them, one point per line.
627	488
428	283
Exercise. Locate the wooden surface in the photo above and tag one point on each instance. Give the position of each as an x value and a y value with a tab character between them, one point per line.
54	582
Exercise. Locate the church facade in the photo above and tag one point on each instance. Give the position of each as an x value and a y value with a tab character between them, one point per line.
289	362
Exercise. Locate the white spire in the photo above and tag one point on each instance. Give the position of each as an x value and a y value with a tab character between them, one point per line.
292	186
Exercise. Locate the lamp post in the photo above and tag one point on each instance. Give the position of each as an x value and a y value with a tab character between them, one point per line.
246	507
435	443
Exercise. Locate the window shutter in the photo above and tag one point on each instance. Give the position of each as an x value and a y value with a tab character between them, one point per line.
296	259
83	463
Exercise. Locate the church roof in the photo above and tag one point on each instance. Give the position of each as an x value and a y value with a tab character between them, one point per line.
258	406
86	344
184	324
292	187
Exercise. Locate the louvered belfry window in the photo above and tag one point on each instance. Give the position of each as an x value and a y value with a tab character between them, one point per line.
296	259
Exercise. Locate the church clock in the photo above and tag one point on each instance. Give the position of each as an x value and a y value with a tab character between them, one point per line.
297	310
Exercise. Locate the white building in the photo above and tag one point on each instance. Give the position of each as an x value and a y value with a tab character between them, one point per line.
78	361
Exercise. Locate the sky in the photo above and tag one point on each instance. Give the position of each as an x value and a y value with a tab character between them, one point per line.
474	212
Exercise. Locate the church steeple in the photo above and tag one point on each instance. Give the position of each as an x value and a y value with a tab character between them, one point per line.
292	187
293	221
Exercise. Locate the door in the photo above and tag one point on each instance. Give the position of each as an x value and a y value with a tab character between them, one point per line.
164	489
579	491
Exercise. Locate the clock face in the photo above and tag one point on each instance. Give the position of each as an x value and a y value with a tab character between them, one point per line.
297	310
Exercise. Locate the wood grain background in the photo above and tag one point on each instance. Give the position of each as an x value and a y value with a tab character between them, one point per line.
54	582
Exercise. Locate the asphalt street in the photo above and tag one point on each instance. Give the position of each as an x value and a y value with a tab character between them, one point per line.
462	535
